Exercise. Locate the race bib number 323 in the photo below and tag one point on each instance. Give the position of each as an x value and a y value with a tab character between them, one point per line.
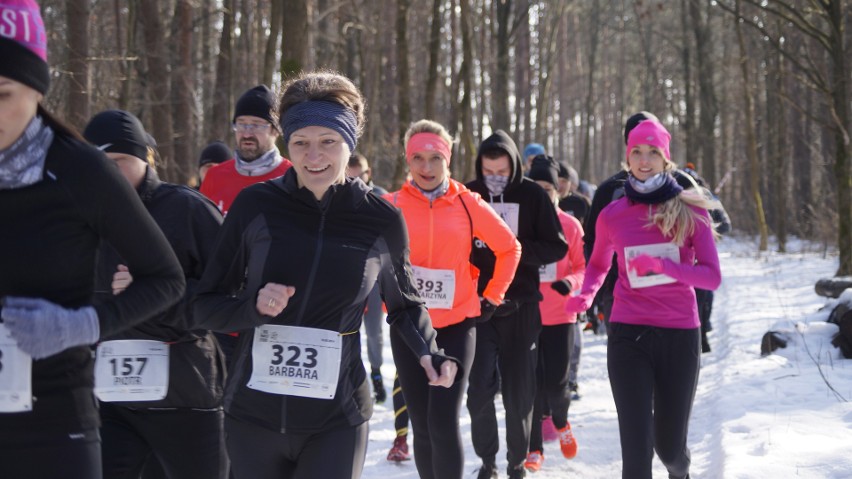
295	361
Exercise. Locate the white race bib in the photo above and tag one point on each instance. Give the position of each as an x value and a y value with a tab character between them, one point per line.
132	370
509	213
547	273
16	392
659	250
437	287
295	361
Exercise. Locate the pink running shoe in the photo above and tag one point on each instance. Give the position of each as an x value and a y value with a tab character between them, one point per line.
399	451
548	430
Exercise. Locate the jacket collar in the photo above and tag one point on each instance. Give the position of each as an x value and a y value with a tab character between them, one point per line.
149	185
353	191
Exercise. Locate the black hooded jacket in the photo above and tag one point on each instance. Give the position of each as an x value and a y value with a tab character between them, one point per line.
333	252
539	230
190	222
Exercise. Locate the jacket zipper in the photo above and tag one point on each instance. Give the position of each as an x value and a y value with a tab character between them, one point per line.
308	289
431	231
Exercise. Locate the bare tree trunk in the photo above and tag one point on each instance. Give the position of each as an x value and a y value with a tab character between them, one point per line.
688	118
782	189
522	126
706	129
159	89
751	142
838	18
294	37
223	98
467	141
434	53
546	71
589	105
500	90
275	20
77	15
403	85
125	50
182	95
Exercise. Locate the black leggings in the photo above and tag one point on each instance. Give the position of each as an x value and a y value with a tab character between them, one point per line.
187	443
653	373
434	411
260	453
51	455
555	346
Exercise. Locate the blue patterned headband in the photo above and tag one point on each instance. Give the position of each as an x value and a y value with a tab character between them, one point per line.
321	113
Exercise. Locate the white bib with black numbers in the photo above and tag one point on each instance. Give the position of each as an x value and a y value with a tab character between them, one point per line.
437	287
132	370
547	273
659	250
509	212
16	391
295	361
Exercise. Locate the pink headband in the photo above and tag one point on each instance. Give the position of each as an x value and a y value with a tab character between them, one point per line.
427	142
649	132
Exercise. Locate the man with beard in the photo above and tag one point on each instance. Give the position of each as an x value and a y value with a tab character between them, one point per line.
256	157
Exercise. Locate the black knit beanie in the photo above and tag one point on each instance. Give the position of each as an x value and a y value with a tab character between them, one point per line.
259	102
635	119
216	152
543	168
563	170
117	131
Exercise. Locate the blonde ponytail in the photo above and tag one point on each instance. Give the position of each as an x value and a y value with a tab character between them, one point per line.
676	219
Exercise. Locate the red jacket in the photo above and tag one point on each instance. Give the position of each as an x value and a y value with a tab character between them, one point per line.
223	182
440	239
571	267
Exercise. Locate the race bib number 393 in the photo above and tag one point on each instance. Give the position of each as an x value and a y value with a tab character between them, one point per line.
132	370
295	361
437	287
15	375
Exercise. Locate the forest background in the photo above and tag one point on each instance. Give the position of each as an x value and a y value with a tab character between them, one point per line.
756	93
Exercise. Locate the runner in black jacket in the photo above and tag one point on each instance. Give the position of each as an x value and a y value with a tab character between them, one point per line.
509	339
304	251
58	198
183	430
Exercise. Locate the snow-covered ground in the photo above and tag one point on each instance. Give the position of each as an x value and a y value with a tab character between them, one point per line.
787	415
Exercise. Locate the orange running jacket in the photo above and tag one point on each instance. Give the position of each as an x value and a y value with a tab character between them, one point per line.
440	238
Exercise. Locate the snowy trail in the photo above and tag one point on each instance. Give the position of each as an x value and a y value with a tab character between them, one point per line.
753	417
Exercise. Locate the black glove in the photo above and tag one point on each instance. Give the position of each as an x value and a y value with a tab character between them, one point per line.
486	310
507	308
562	287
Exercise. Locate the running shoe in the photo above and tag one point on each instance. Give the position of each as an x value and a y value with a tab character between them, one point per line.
517	473
378	386
534	461
567	442
548	430
399	450
487	471
575	391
